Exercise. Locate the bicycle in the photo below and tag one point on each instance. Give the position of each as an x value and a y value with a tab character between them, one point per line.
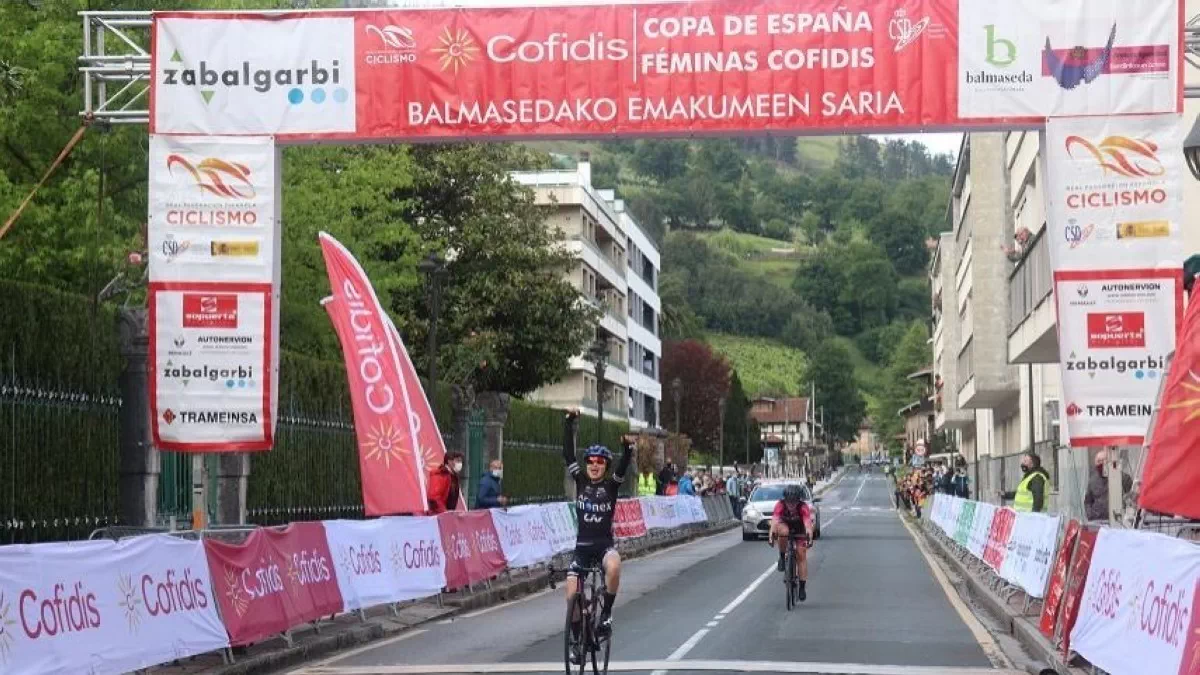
587	604
791	582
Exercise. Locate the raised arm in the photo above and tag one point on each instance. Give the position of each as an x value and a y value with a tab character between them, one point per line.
570	424
626	457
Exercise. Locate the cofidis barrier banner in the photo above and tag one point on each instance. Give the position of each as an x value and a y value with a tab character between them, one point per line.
105	607
1138	613
386	560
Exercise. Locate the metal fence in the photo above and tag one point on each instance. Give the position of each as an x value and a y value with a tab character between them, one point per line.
58	461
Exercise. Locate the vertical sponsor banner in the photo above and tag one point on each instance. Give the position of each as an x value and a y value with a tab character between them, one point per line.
213	211
386	560
1115	190
212	379
1058	580
1076	580
473	549
104	606
390	459
1030	551
1115	331
1137	609
524	537
966	520
1030	58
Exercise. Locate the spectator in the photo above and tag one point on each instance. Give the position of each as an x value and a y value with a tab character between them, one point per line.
442	488
960	483
665	478
647	485
1032	491
1095	502
686	487
489	496
734	487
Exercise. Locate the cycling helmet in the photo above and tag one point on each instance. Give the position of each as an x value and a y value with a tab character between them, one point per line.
793	494
599	451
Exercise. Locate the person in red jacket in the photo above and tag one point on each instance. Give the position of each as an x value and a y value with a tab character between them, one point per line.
442	486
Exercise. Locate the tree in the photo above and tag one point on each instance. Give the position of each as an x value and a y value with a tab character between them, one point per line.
831	372
661	160
910	355
704	378
506	289
737	423
808	328
902	237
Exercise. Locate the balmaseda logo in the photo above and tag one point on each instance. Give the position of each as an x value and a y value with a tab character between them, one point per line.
261	80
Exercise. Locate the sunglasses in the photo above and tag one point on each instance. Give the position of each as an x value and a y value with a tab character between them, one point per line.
596	461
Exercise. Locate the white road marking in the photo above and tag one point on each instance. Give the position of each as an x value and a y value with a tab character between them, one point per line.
749	589
712	624
354	652
688	646
815	668
986	642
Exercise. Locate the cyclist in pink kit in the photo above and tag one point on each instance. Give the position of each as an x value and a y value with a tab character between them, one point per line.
792	514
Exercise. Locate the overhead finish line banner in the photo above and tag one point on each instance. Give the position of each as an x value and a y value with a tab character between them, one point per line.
661	68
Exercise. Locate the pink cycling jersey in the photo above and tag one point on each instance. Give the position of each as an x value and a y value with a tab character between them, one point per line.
788	515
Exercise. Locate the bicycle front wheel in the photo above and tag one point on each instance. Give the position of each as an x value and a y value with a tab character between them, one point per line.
599	645
573	643
790	578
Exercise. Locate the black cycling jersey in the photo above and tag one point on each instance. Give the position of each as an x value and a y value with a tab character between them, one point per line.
595	502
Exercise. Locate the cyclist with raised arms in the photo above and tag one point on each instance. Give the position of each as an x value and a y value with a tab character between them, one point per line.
792	514
595	506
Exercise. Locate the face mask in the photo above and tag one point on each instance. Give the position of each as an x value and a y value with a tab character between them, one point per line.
1026	469
498	473
457	466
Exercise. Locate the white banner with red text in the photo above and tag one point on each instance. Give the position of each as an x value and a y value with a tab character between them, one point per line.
1115	331
1031	58
661	68
524	536
213	374
105	607
1114	192
386	560
1139	608
1031	544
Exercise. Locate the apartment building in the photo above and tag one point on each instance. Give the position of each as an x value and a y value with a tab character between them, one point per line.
616	272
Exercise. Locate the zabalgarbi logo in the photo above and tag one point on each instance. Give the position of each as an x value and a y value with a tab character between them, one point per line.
318	82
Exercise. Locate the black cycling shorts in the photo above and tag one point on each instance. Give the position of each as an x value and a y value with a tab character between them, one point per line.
588	557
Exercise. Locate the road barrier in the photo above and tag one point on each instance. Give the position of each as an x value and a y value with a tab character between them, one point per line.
1128	601
115	606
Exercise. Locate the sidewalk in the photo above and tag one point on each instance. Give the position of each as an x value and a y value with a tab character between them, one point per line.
350	630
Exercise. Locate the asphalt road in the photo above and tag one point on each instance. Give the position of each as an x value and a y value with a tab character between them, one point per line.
717	605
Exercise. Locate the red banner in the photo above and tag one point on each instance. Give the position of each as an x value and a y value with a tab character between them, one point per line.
430	444
473	550
1058	580
998	536
276	579
393	475
1172	468
1075	585
628	521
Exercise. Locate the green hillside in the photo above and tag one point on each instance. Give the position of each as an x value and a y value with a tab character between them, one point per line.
767	367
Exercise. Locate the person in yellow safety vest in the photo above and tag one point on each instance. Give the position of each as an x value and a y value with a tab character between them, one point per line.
1033	489
647	485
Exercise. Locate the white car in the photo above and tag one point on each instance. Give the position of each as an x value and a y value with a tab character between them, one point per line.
756	516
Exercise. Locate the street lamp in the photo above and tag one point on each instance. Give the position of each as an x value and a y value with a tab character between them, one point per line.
598	355
433	266
676	385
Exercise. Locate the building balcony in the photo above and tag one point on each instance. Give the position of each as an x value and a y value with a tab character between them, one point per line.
1032	324
593	256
